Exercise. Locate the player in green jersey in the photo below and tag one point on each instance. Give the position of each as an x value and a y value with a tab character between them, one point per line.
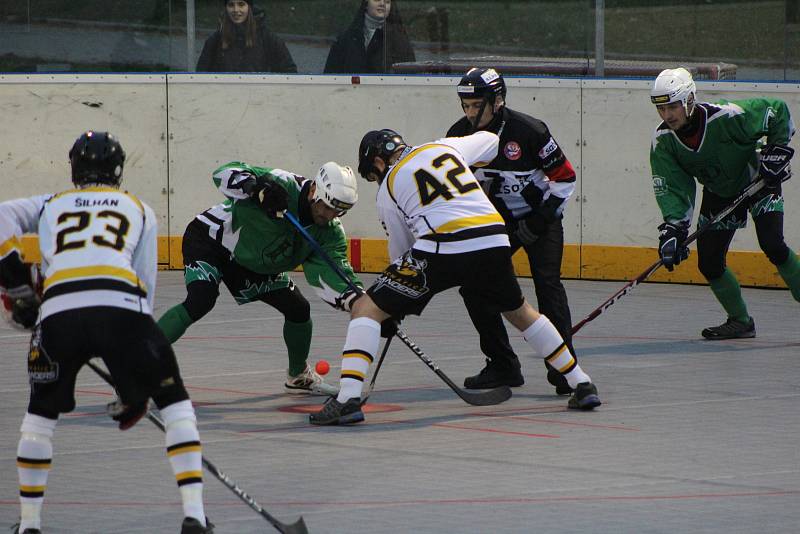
244	243
724	147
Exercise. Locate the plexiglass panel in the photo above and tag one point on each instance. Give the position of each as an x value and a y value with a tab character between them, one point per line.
745	40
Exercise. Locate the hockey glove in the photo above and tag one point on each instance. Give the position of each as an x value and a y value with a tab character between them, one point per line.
345	301
389	327
775	166
21	307
532	195
271	197
126	415
529	229
671	249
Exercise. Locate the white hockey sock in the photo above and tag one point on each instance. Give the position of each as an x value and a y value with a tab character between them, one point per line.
34	457
185	456
360	347
545	340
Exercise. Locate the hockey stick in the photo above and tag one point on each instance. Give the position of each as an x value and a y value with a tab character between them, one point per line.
298	527
368	391
749	191
483	398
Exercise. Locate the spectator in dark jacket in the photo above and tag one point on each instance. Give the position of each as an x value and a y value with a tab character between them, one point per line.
243	43
360	49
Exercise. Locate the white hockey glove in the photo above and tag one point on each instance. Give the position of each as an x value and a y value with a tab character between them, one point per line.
345	301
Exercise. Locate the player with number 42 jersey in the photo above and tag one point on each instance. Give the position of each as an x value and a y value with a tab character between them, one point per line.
430	200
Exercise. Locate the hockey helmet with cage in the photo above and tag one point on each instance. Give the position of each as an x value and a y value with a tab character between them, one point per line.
336	187
377	143
674	85
97	158
482	83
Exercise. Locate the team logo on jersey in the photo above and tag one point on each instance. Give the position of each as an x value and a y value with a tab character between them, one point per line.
659	185
405	276
512	150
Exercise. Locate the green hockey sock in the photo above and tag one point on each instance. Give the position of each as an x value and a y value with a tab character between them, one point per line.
790	272
298	342
729	294
175	322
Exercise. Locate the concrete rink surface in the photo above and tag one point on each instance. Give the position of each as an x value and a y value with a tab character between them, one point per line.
693	436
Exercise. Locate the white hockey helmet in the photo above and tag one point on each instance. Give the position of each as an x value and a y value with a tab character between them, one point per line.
336	186
674	85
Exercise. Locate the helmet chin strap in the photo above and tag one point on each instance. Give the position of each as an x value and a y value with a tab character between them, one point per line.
478	117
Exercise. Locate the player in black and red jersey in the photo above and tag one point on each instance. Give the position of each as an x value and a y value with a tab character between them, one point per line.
529	183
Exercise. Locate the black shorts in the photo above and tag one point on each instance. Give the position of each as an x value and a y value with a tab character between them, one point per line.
767	200
135	351
406	286
206	260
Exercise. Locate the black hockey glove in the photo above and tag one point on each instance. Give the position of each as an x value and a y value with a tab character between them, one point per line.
389	327
21	306
671	249
271	197
529	229
775	167
532	195
535	225
126	415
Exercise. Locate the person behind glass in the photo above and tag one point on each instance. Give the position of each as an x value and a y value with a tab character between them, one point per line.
529	182
243	43
362	47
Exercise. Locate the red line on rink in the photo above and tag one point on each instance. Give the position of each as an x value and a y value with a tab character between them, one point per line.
94	392
428	502
556	422
223	390
494	431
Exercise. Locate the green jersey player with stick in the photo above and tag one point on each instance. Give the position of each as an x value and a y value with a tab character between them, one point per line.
724	147
244	243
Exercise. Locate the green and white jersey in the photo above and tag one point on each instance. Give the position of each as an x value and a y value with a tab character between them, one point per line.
724	162
273	246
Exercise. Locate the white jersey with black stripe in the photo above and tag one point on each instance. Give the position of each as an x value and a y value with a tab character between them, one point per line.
431	201
99	248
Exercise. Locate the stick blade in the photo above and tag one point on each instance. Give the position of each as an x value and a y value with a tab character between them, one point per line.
298	527
490	397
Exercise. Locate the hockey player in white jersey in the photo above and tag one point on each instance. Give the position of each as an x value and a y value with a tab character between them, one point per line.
443	232
98	249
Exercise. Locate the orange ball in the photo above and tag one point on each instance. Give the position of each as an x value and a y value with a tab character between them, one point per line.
322	367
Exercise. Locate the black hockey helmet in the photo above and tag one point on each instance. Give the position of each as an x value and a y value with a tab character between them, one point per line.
381	143
96	157
482	83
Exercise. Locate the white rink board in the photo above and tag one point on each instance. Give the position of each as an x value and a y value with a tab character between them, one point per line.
42	115
618	123
298	127
298	122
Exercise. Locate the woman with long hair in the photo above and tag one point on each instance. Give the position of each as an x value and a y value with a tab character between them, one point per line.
375	40
243	43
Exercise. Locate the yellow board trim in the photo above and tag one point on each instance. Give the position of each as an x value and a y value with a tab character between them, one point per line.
587	262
